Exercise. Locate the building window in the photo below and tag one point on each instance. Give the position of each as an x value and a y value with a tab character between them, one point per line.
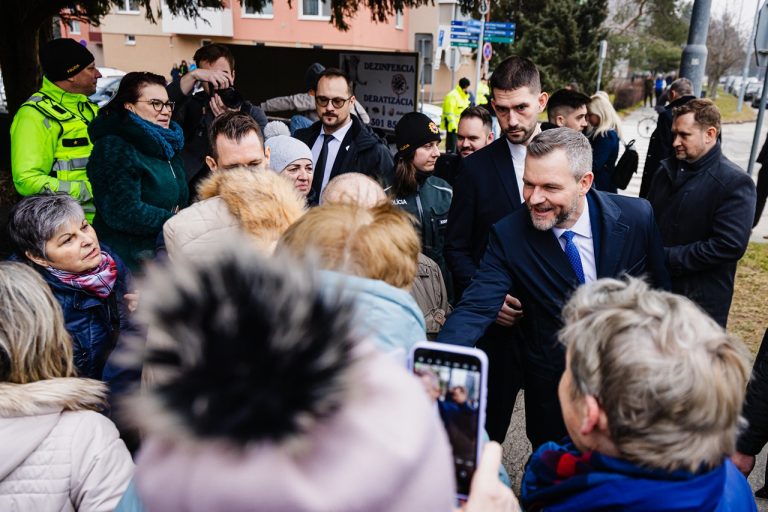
130	39
74	27
318	9
399	19
265	12
128	6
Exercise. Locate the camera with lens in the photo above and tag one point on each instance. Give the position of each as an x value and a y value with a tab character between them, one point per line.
230	97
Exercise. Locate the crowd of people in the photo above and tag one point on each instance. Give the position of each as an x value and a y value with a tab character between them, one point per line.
207	310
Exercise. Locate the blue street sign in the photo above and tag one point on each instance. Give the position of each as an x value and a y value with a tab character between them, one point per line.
466	23
500	25
500	33
467	30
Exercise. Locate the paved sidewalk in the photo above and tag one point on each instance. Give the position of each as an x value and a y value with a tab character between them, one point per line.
737	142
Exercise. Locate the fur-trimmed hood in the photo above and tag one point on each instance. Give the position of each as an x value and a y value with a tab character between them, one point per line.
261	204
271	401
28	413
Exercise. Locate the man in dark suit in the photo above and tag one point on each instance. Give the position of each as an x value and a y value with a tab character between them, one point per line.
567	235
339	141
489	187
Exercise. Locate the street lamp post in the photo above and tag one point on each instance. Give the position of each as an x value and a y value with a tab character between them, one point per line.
694	59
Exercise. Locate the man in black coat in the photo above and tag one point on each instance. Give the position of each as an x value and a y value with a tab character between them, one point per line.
569	234
705	205
660	145
339	141
489	187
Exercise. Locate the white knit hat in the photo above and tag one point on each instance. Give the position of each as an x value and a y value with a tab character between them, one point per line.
275	128
285	150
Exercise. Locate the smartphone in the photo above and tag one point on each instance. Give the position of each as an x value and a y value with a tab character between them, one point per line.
455	378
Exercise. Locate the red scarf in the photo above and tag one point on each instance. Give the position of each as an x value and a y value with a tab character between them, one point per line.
99	281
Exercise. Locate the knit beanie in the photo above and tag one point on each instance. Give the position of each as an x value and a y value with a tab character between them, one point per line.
312	75
413	131
275	128
285	150
64	58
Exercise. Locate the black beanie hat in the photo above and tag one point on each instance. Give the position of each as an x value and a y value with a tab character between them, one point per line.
413	131
64	58
312	76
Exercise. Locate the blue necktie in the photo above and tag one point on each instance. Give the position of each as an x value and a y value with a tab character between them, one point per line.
572	252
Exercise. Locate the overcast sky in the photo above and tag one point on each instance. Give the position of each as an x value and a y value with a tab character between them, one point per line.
742	11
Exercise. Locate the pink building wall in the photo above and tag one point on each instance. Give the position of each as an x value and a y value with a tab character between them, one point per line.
286	27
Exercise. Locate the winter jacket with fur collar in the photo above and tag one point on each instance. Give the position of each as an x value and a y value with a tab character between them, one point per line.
56	452
260	204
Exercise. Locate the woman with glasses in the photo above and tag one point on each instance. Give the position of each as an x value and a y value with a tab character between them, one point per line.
135	169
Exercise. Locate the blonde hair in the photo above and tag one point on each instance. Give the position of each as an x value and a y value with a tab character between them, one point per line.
377	243
670	380
602	108
34	344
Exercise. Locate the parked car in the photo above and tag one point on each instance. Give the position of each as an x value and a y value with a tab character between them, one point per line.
753	89
107	85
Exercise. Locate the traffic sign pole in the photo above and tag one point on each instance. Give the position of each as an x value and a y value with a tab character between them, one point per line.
484	8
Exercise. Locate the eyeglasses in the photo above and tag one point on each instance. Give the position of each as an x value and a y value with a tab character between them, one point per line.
158	104
322	101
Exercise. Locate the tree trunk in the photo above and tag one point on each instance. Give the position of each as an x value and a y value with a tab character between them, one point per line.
19	63
714	81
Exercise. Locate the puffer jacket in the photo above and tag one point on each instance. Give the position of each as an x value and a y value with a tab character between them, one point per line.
57	453
94	323
135	188
260	204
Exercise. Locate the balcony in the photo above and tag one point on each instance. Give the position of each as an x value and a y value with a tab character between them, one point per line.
212	22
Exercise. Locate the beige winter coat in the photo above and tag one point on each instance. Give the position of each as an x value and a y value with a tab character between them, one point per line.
56	454
261	204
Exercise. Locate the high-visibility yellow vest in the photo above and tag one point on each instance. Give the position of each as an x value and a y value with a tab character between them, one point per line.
50	144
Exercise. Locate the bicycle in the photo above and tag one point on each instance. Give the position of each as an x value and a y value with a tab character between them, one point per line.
646	126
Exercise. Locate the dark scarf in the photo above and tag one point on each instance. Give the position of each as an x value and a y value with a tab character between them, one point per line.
170	139
99	281
560	478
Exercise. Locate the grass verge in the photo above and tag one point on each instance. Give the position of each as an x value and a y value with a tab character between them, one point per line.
749	312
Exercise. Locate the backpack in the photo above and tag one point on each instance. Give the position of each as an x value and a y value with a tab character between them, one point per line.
626	167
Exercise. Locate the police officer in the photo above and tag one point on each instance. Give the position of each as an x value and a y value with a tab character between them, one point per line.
49	135
417	190
453	105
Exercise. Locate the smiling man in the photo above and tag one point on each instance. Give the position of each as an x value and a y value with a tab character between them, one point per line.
340	142
489	186
567	235
705	205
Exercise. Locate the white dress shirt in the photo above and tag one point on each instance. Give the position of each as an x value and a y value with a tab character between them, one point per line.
584	242
518	153
333	150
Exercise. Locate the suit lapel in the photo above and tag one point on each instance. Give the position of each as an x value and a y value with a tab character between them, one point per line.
344	148
612	233
502	160
551	256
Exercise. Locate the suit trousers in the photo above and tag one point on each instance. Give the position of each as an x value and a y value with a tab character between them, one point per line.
543	417
505	377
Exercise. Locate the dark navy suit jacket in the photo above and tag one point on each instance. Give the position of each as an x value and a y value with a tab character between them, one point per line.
485	192
531	265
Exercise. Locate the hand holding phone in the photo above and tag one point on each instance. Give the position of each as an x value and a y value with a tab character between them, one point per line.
455	379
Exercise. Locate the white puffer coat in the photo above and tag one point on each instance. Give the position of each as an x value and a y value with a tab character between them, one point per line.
55	454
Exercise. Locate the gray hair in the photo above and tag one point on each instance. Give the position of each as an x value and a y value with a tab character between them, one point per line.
682	87
577	149
670	380
36	219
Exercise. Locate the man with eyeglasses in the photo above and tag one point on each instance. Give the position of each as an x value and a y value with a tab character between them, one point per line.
340	142
49	136
488	188
201	96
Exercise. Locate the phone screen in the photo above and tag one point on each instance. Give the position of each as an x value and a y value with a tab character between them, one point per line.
454	381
